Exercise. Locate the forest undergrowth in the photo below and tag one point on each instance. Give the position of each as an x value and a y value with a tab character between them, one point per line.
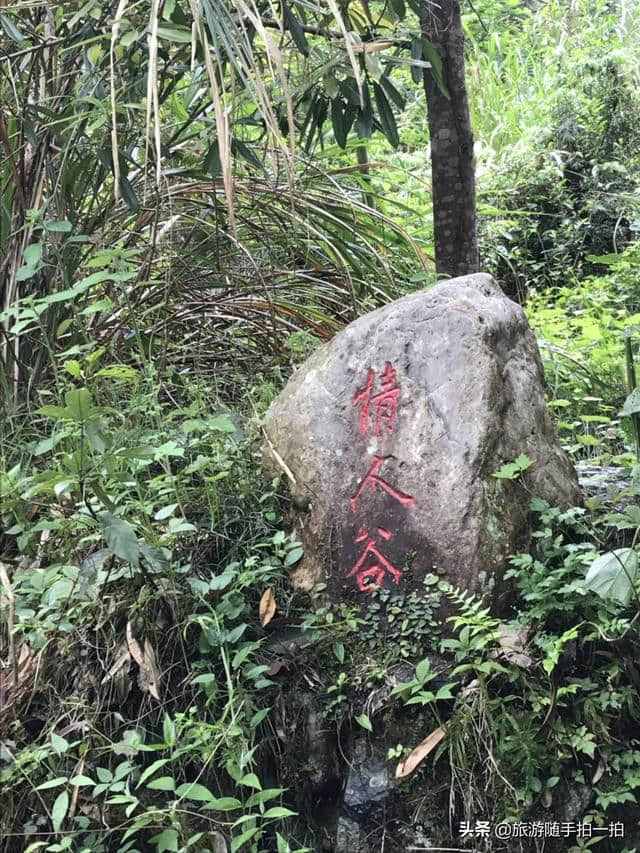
147	702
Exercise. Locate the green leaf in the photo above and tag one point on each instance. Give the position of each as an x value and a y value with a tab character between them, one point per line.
416	56
250	780
338	122
238	147
435	60
59	744
221	423
612	575
292	24
120	537
195	792
118	371
81	781
128	194
338	650
293	556
150	770
73	368
512	470
55	412
399	8
59	810
239	841
11	30
278	811
33	254
168	839
423	670
212	163
179	35
364	721
57	226
392	93
79	403
386	116
53	783
224	804
165	512
162	783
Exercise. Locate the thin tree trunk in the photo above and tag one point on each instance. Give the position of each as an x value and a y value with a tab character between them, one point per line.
452	160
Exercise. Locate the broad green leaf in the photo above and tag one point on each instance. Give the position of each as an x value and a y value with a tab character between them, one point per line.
59	744
150	770
73	368
165	512
224	804
239	841
53	783
364	721
399	8
120	537
59	810
10	29
612	575
129	194
81	781
118	371
168	839
55	412
417	57
212	163
386	116
195	792
278	811
221	423
292	24
392	93
239	148
250	780
57	226
33	254
79	403
435	60
163	783
180	35
293	556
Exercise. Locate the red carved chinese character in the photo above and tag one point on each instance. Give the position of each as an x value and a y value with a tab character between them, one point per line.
386	402
363	397
377	570
372	478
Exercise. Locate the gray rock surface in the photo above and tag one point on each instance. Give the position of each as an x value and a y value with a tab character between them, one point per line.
391	432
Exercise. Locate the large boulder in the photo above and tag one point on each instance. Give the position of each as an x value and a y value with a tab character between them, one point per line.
390	435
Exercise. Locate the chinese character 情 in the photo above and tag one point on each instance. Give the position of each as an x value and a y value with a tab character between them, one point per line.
386	402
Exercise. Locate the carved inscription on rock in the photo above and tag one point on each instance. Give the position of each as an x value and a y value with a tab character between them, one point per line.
378	414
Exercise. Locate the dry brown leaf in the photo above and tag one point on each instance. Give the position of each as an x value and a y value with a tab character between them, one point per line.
134	646
276	666
149	677
267	607
406	767
597	776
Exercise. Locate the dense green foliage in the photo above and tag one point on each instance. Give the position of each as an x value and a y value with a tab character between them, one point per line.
185	213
